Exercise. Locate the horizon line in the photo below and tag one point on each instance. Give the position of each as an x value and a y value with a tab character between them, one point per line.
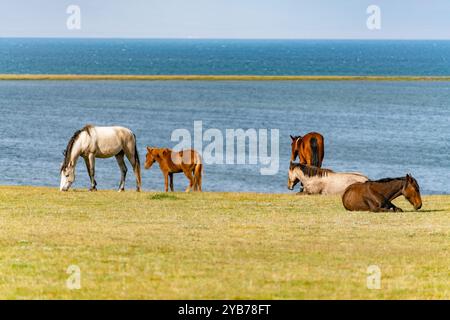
219	38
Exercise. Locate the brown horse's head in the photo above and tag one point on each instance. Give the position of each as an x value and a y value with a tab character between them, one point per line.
295	146
150	158
292	177
154	154
411	192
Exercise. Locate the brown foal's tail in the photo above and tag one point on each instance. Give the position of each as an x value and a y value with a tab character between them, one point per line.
198	171
137	163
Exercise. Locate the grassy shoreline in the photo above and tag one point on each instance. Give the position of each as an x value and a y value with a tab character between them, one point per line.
217	77
217	246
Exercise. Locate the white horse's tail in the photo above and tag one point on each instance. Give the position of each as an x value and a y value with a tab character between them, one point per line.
137	161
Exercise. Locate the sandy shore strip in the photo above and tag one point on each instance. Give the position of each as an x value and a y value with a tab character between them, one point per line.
217	77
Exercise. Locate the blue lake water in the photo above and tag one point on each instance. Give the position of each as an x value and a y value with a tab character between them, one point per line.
258	57
382	129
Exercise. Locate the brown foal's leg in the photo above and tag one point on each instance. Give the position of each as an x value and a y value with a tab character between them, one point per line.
166	182
374	206
171	181
390	205
188	175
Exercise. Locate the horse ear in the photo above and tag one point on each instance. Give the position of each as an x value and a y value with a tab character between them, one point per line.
408	177
165	152
149	149
293	139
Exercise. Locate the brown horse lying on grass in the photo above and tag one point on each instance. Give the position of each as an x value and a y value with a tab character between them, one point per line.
376	196
187	161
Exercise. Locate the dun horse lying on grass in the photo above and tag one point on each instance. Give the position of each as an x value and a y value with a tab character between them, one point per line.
376	196
321	181
100	142
187	161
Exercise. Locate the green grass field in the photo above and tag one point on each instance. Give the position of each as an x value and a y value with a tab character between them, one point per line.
217	246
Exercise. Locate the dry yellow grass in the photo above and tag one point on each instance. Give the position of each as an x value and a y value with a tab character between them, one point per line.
217	246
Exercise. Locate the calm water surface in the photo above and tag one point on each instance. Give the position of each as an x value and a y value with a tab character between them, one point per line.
382	129
259	57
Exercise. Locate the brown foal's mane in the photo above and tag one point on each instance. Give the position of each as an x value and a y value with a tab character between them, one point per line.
384	180
403	179
72	140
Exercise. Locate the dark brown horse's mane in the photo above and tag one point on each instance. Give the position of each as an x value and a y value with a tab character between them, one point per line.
385	180
72	140
311	171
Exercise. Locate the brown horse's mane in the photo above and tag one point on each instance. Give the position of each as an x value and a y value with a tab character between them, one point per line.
311	171
69	147
384	180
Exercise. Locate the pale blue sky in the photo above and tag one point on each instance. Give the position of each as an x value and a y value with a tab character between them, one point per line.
342	19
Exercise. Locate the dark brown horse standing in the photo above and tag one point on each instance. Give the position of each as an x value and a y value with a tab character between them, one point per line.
309	148
377	196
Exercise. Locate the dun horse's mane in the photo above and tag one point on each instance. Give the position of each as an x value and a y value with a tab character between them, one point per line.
72	140
311	171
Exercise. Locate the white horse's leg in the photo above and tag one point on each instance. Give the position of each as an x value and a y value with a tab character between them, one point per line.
86	161
123	170
90	173
131	156
91	159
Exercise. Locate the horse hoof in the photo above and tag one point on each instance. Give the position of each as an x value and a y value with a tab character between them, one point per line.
121	190
92	189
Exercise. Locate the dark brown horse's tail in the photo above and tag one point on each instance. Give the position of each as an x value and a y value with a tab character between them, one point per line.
137	161
315	161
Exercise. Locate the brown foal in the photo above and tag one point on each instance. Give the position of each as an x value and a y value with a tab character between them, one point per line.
187	161
377	196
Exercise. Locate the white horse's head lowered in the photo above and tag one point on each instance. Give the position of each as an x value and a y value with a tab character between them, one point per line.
67	176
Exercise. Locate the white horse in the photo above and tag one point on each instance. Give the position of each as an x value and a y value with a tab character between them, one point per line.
100	142
321	181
